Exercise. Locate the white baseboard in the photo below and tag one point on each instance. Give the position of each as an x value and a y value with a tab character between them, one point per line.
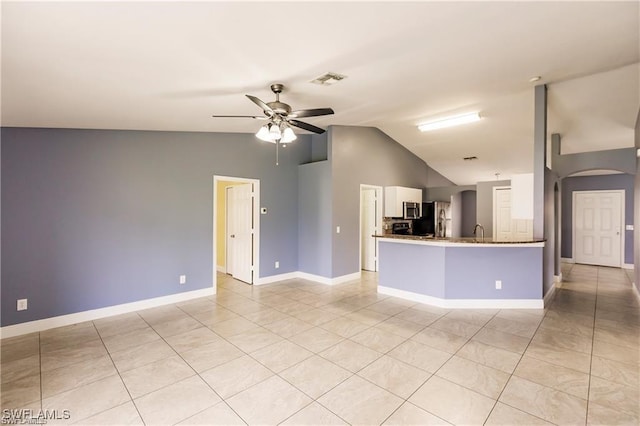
548	298
94	314
571	260
329	281
221	269
464	303
346	278
309	277
276	278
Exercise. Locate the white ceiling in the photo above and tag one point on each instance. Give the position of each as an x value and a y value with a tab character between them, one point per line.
169	66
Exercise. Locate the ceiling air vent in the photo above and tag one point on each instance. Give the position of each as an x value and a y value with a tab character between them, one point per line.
470	158
328	79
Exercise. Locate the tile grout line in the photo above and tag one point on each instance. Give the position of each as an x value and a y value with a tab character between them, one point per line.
119	375
313	400
193	369
314	354
593	340
434	373
337	343
512	375
356	307
40	370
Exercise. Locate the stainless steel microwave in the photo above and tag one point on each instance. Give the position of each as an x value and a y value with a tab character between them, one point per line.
410	210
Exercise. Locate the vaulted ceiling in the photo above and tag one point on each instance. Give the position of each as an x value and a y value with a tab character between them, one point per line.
170	65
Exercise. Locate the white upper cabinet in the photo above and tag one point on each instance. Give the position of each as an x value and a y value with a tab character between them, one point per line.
394	196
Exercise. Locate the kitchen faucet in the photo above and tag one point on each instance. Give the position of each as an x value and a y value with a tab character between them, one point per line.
475	228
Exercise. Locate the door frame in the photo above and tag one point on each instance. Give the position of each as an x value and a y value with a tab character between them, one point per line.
622	220
256	222
494	232
379	215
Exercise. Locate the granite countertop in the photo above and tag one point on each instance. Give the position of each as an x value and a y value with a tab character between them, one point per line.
466	240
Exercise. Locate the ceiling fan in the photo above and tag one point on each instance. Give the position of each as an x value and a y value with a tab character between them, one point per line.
281	117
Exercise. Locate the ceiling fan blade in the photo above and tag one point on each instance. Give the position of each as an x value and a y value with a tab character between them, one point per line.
306	126
257	117
315	112
266	108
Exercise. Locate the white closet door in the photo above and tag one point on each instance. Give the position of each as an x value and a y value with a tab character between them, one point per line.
598	227
240	216
368	223
503	214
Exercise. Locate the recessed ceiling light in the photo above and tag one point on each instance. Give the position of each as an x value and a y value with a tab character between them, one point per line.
534	79
449	121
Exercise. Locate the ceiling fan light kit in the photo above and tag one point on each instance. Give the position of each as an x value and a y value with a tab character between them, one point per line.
450	122
280	118
274	133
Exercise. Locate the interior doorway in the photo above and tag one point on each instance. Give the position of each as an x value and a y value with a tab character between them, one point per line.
370	224
597	227
236	227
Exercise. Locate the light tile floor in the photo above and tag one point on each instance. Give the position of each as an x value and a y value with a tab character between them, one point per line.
303	353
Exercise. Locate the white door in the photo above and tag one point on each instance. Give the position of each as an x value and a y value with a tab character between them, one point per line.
230	226
505	228
240	231
368	221
597	224
502	212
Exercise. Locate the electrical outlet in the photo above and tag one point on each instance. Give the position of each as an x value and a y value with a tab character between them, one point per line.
498	285
22	304
183	279
277	264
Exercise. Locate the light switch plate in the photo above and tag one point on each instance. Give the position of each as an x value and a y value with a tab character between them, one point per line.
629	227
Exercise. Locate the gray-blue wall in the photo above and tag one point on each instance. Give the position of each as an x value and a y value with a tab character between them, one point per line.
444	193
596	183
636	209
549	254
314	221
456	272
636	214
94	218
469	213
366	155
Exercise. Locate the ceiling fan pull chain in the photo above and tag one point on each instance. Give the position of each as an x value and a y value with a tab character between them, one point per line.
277	154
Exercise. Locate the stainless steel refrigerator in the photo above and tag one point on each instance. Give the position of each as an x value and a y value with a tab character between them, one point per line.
436	219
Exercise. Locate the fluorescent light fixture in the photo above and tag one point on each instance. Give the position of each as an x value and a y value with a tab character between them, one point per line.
449	122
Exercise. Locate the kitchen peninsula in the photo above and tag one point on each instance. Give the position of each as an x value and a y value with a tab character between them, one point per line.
461	272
